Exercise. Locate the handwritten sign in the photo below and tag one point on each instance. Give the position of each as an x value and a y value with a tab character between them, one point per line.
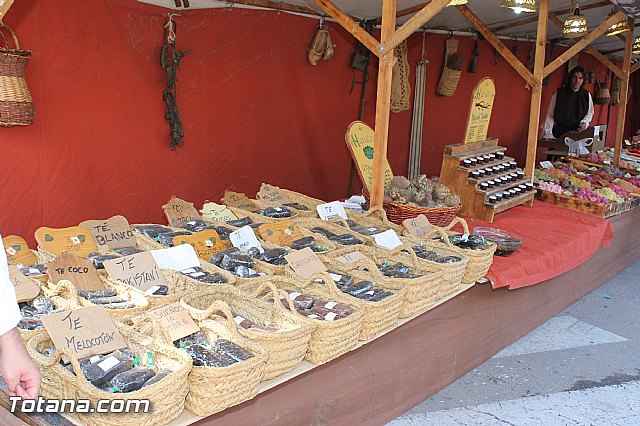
179	212
282	233
305	262
330	210
272	193
113	232
351	257
205	243
76	240
244	238
480	111
418	226
25	288
213	211
18	252
79	271
175	319
546	165
360	140
239	200
85	332
139	271
388	239
176	258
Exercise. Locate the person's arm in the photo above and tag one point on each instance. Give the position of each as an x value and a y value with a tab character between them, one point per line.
547	127
584	123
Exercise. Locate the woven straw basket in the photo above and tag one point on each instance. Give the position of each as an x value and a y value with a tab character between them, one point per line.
303	199
167	396
330	339
58	306
287	346
16	104
310	223
375	216
262	203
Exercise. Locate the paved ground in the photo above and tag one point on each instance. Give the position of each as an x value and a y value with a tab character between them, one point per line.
582	367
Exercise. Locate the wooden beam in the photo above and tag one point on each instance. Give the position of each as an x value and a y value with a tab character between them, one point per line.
4	7
634	67
592	50
534	17
499	46
350	25
624	91
276	6
383	102
405	12
536	92
415	22
585	41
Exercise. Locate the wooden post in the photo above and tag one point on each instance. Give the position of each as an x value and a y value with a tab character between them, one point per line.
536	92
624	91
383	101
634	67
415	22
4	7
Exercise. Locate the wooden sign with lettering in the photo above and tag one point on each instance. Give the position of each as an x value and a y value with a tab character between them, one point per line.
205	243
138	271
84	332
76	240
18	252
239	200
179	212
79	271
305	262
282	233
175	319
25	288
272	193
480	111
213	211
359	139
113	232
418	226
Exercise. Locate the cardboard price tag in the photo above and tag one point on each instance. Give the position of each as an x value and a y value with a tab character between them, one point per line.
213	211
282	233
176	258
76	240
179	212
273	194
113	232
351	257
205	243
244	238
79	271
546	165
305	262
139	271
388	239
330	210
25	288
175	319
418	226
85	332
18	252
239	200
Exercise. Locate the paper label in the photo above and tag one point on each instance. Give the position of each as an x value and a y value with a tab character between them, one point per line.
196	274
176	258
388	239
331	316
546	165
244	238
330	210
79	271
351	257
85	331
331	305
294	295
272	194
108	363
152	290
335	277
175	319
218	212
76	240
18	251
313	316
418	226
139	271
238	319
113	232
25	288
206	243
282	233
239	200
179	212
305	262
94	359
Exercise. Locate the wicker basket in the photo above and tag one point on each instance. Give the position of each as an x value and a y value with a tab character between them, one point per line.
438	216
294	212
379	316
303	199
16	104
375	216
58	305
167	396
287	346
309	223
330	339
258	217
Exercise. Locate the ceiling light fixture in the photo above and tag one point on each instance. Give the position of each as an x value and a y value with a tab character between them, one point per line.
457	2
636	46
619	27
575	25
519	5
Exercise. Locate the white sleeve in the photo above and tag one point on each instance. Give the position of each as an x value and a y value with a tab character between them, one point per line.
9	311
587	118
547	127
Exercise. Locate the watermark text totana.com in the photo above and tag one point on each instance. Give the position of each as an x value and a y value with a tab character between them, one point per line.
42	405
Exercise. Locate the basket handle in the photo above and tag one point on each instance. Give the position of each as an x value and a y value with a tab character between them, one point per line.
219	305
64	289
461	221
340	221
13	34
146	327
327	281
412	253
378	211
276	293
441	233
369	265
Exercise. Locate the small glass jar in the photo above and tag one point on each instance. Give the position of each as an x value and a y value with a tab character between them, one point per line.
473	162
513	165
492	157
498	197
475	174
500	155
522	187
491	199
529	186
486	158
520	174
484	186
480	173
506	195
466	163
491	183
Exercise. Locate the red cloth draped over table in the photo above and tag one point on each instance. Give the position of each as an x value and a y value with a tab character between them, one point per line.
554	241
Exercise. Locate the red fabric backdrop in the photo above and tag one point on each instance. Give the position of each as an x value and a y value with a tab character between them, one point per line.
253	110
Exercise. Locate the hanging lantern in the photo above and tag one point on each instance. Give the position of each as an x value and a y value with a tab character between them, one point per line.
457	2
619	27
575	25
636	46
519	5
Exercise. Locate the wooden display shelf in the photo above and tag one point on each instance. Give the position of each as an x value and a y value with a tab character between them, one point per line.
584	206
483	166
494	191
573	160
512	202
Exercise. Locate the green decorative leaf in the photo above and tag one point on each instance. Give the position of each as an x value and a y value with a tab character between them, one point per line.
213	240
17	247
291	228
368	152
82	238
269	232
48	237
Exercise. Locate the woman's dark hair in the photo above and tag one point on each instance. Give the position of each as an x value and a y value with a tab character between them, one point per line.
575	70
